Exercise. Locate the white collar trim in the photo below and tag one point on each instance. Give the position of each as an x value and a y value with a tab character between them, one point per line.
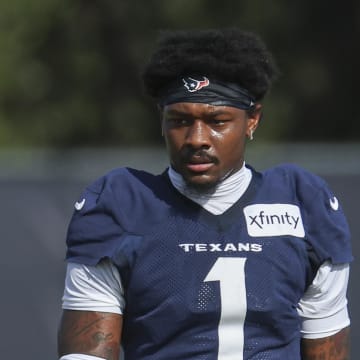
226	194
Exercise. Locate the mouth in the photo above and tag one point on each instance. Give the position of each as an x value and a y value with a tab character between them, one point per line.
199	168
199	163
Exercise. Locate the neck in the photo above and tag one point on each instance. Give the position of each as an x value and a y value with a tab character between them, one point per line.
222	197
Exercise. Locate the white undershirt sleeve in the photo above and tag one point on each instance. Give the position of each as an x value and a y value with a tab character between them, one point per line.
93	288
80	357
323	308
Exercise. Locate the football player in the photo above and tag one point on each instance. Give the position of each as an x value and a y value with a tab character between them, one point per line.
210	260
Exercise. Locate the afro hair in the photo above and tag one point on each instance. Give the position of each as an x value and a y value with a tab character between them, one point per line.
229	55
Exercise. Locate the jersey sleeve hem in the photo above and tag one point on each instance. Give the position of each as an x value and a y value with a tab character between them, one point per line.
319	328
93	288
92	307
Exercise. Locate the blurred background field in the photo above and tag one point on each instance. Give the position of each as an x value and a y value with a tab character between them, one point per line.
69	69
72	107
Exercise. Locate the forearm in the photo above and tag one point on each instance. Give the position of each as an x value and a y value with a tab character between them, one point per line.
335	347
90	333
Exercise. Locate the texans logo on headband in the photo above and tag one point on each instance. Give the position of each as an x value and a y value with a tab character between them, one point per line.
193	85
216	93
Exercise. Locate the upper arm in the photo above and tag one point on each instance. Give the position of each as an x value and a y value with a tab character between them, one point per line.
91	333
323	307
335	347
323	310
93	302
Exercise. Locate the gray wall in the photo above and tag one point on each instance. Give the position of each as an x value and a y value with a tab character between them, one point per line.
37	191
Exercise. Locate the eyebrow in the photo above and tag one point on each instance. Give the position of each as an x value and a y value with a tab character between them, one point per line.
220	112
176	112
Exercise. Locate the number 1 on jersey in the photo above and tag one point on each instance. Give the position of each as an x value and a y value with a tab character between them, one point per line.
230	272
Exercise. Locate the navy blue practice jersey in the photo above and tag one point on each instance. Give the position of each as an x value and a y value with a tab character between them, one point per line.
211	287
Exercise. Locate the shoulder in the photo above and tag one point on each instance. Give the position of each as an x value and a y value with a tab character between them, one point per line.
307	189
126	193
120	177
294	175
123	203
290	182
122	187
325	224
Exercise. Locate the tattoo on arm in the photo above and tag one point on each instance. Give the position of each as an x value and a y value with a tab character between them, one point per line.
335	347
90	333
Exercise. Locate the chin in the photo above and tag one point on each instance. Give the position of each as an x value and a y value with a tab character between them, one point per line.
201	185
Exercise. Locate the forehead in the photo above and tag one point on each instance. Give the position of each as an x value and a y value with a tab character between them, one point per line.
200	108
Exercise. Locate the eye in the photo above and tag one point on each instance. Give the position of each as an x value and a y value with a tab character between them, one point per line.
219	121
178	121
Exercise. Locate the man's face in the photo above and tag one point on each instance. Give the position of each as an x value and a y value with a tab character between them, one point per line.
206	143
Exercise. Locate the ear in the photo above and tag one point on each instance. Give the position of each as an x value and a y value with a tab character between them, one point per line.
253	120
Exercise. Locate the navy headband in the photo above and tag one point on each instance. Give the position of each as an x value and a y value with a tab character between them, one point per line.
202	90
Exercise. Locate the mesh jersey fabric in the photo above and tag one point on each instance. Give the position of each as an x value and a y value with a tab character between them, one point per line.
180	264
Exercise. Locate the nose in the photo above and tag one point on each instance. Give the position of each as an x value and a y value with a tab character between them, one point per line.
198	135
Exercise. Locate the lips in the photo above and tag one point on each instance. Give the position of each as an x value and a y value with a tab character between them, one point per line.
199	162
199	167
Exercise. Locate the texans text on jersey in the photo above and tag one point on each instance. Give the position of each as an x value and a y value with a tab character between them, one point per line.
213	247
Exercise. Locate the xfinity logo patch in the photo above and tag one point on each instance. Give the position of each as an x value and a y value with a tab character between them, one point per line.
274	220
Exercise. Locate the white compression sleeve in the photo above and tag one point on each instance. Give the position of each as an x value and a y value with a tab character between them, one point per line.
323	308
80	357
93	288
